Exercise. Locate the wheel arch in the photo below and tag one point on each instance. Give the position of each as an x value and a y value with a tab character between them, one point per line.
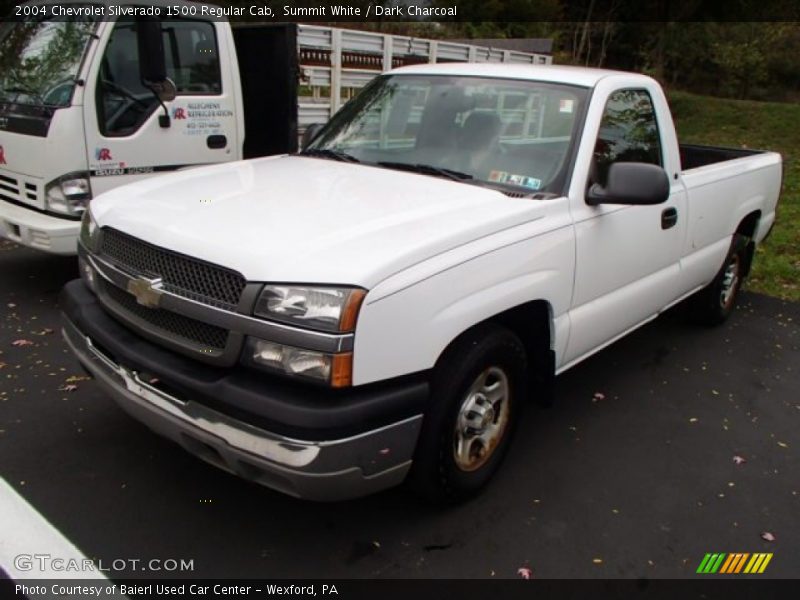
532	322
748	227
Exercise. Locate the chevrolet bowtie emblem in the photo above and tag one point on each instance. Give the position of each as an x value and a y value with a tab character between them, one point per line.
146	291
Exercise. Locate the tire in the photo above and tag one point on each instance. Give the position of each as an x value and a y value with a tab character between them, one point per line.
715	303
465	434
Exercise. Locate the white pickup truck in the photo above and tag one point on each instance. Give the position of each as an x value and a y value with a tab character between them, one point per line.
376	308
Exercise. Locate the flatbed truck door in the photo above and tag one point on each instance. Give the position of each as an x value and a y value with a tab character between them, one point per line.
125	136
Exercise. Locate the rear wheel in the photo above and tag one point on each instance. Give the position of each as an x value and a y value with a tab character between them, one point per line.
716	302
476	392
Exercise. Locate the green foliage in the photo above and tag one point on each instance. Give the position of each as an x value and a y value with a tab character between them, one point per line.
772	126
36	57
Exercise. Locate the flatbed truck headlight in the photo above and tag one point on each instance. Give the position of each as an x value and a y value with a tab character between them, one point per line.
69	194
335	370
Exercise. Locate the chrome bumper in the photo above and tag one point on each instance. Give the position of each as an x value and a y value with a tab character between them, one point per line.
315	470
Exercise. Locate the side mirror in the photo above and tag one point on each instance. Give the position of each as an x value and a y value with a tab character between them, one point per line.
152	64
165	90
309	134
631	183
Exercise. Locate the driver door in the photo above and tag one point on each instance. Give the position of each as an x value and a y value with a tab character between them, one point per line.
627	257
125	137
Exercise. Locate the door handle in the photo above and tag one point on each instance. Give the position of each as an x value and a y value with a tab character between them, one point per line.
669	217
216	142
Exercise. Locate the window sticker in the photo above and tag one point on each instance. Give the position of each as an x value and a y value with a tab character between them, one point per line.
566	105
521	180
532	183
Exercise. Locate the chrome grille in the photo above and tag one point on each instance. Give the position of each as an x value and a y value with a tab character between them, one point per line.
196	333
181	275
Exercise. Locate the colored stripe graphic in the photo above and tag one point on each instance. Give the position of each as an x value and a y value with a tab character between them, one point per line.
741	562
754	563
764	564
703	563
727	564
731	560
715	567
734	563
737	563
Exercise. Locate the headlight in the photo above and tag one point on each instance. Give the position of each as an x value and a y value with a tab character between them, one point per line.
331	309
90	232
69	194
333	369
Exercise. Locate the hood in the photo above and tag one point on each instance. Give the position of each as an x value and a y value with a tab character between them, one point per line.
308	220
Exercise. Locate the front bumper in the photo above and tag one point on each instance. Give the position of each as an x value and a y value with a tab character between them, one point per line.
38	230
374	455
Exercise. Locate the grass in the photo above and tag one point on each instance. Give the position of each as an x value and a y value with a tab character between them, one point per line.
763	125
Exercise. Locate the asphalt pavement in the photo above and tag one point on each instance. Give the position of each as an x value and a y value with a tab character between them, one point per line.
674	442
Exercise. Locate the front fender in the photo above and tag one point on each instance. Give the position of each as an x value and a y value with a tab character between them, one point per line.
409	319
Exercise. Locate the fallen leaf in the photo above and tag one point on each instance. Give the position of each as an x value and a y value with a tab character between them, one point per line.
597	561
45	331
70	387
384	451
767	536
77	378
739	460
693	420
525	572
12	305
20	343
598	396
783	444
3	365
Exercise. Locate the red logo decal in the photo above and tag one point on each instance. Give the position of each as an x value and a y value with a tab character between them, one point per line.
104	154
2	156
179	114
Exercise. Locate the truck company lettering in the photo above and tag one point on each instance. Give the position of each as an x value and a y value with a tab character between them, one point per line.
123	171
202	110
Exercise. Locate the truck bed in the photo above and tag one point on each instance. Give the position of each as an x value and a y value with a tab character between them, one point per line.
694	156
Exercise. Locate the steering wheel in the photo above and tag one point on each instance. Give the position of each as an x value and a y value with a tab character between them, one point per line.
124	92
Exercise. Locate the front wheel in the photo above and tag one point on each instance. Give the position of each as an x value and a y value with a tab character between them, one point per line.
716	302
477	388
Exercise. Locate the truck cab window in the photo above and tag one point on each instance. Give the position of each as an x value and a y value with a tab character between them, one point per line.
628	133
124	103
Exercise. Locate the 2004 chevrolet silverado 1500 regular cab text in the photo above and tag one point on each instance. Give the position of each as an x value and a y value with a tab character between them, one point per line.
376	308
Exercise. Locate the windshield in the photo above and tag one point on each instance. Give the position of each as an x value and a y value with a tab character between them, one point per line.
39	60
515	135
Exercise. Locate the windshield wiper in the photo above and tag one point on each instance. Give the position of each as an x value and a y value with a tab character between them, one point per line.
427	170
329	153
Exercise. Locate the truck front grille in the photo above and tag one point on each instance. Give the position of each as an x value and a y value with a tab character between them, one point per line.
182	275
16	190
202	336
